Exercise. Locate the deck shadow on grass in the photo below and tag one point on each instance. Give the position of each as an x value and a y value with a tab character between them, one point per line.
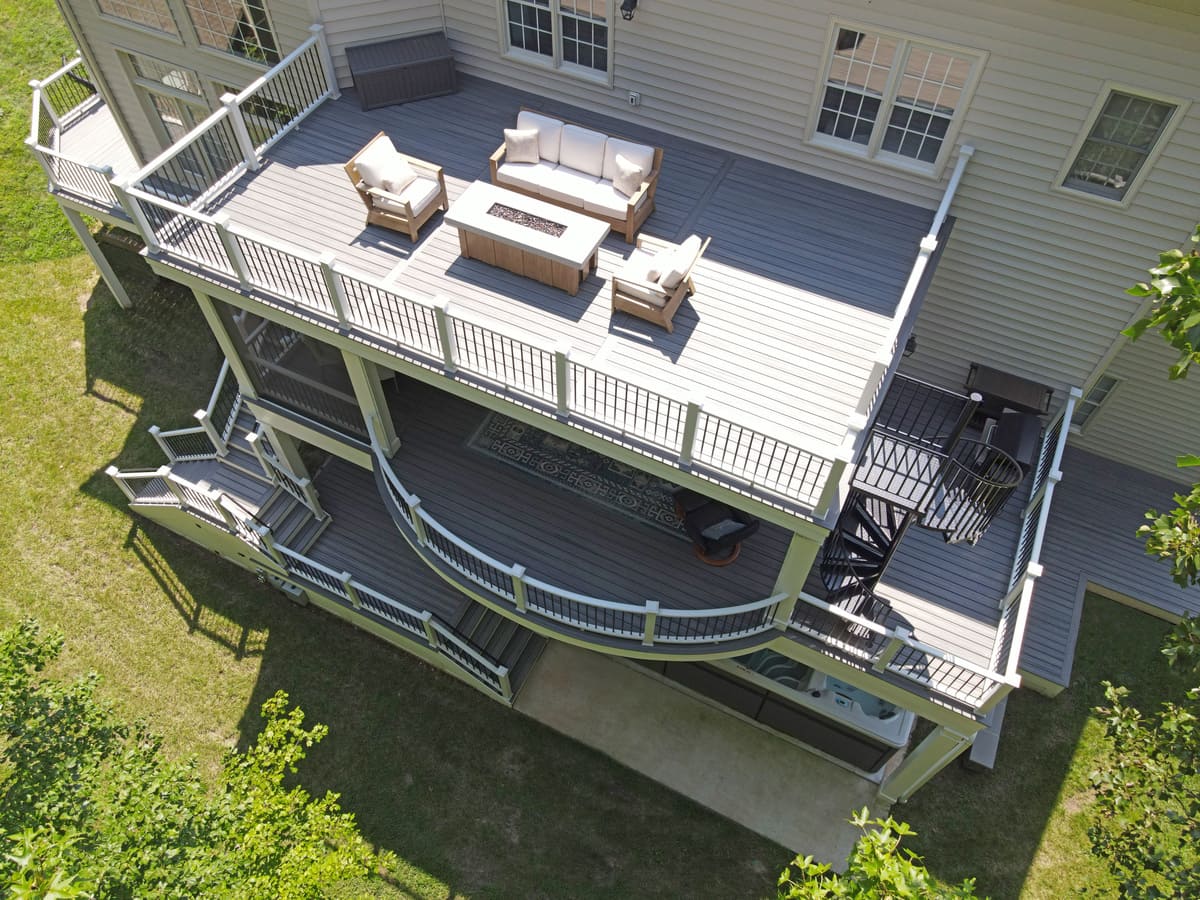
473	797
1034	805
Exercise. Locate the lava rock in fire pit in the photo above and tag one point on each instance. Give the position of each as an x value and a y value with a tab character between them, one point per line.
529	220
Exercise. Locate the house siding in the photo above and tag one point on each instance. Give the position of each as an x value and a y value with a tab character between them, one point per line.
1148	420
102	37
369	21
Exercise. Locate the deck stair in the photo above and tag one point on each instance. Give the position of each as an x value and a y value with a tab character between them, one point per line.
239	453
501	640
292	523
920	465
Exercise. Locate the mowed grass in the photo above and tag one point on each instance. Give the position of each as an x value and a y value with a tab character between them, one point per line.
1022	829
475	799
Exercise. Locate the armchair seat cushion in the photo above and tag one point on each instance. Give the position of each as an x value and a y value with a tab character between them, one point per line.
419	193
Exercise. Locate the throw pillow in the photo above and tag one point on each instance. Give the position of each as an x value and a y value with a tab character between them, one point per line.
398	176
521	145
721	529
629	176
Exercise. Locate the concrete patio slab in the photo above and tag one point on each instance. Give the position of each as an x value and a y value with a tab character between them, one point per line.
701	750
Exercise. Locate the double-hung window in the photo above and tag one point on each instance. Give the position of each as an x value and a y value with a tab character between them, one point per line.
1123	134
572	35
239	27
150	13
893	98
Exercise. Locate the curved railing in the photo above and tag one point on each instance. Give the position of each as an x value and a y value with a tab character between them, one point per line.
508	586
976	481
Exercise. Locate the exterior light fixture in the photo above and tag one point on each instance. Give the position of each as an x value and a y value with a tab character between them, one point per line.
910	346
628	7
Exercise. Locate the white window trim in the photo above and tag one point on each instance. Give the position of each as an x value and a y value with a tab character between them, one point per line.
1095	407
555	63
871	151
1106	90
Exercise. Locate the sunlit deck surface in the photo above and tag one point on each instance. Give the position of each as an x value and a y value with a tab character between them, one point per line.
94	138
787	316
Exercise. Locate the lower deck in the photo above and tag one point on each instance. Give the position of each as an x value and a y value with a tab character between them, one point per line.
1092	544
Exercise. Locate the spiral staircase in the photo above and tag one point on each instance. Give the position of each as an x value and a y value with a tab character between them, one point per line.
922	464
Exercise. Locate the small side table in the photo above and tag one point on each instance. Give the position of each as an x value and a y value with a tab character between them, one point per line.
402	69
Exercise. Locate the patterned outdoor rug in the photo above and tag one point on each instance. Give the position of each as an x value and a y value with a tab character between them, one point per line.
579	470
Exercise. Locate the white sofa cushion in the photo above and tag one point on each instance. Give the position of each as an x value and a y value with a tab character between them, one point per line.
521	145
530	176
638	154
549	132
569	185
420	193
682	259
582	149
629	176
605	200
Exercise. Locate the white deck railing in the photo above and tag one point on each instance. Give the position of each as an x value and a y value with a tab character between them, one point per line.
57	102
1027	567
860	641
425	331
509	585
210	438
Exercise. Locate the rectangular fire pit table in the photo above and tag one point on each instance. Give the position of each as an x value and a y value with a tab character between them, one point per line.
526	236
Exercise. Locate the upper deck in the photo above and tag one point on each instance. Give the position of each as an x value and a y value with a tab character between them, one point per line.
764	385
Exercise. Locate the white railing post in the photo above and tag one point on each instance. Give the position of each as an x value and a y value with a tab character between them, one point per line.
441	315
46	167
40	88
899	636
164	472
691	419
326	60
115	474
414	509
430	632
211	430
520	591
562	379
254	439
505	684
245	144
268	541
837	468
133	209
156	433
216	498
351	593
651	617
233	250
333	285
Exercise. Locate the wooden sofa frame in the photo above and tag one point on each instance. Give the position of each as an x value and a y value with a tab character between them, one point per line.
644	309
633	219
407	222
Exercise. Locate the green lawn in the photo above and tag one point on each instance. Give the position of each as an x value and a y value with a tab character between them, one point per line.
475	800
1022	829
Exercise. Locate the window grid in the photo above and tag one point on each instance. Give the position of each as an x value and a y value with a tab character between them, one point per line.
151	69
1120	141
240	27
892	95
857	79
930	91
530	26
1088	406
568	33
151	13
585	34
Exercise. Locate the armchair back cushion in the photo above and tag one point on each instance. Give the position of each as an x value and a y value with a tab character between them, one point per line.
582	149
681	261
382	167
549	132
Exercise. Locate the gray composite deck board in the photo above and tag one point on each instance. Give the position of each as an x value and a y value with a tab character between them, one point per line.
250	492
559	536
95	139
1091	537
776	336
363	540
